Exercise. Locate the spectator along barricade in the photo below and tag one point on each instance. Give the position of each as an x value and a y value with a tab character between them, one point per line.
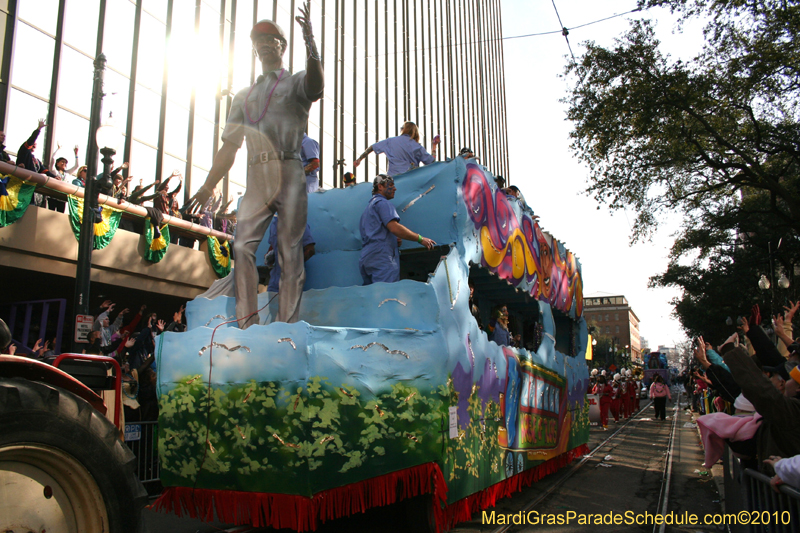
46	183
747	490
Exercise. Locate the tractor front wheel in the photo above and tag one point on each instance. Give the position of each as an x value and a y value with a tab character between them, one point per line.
62	464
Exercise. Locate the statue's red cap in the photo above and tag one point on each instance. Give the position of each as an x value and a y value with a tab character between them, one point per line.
267	27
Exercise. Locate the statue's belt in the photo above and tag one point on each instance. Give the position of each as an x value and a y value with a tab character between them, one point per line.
263	157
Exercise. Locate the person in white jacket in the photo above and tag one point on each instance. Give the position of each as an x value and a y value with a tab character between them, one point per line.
786	471
105	327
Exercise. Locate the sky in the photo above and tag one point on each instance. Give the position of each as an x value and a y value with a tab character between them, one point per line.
553	181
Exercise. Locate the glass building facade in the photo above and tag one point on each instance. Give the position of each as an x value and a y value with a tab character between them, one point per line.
174	66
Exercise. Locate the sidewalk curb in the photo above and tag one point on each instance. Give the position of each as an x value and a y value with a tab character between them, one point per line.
716	472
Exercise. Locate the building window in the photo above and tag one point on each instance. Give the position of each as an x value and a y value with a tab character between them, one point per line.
608	330
617	329
616	316
606	317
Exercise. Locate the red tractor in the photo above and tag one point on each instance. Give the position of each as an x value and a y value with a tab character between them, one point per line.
63	464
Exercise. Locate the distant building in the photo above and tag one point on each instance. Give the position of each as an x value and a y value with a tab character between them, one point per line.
645	345
614	318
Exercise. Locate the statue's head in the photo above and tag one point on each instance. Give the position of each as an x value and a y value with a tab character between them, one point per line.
269	41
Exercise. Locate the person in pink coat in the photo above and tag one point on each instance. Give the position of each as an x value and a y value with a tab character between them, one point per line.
659	392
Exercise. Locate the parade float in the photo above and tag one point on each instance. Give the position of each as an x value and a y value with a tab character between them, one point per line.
385	392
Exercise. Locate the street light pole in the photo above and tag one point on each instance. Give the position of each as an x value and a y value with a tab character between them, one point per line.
83	268
765	283
104	184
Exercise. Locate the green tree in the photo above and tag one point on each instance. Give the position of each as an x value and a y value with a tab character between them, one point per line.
659	134
720	280
715	138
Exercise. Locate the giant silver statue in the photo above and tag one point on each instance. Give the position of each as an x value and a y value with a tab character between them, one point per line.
271	116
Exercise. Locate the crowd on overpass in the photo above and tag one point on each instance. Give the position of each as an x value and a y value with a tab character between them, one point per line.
156	196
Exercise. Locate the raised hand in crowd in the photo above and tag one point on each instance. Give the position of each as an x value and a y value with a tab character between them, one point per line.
780	322
224	209
775	481
744	325
178	315
700	353
123	166
39	349
755	316
790	310
733	339
161	325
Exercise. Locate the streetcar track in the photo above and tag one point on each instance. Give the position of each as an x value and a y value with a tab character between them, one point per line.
663	496
536	501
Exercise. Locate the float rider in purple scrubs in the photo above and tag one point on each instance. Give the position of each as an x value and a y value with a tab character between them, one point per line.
381	232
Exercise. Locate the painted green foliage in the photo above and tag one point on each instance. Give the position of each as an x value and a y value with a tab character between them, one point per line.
297	438
474	459
579	432
293	438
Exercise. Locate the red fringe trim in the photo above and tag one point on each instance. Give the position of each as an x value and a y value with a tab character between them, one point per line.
302	513
305	514
462	510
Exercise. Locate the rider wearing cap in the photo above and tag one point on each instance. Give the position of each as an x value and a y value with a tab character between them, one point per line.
271	116
380	233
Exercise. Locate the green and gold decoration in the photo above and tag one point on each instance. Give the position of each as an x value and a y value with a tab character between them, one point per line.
220	255
103	231
157	241
15	196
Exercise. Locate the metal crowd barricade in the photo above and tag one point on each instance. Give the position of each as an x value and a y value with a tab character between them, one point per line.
734	495
142	439
770	511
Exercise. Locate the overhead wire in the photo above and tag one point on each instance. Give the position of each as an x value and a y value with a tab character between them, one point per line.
562	31
565	32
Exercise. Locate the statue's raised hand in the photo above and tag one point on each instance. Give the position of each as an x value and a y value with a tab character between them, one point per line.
304	19
197	201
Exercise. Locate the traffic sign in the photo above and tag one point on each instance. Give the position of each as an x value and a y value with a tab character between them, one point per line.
83	326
